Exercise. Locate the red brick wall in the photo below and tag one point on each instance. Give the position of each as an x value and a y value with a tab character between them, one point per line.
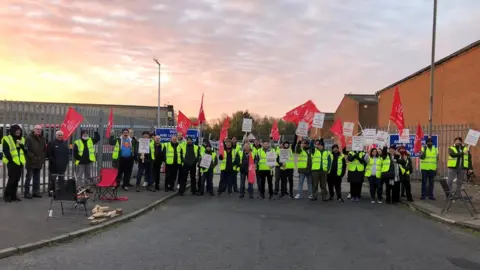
348	112
456	96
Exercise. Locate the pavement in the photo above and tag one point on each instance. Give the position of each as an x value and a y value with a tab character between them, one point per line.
458	213
26	221
226	232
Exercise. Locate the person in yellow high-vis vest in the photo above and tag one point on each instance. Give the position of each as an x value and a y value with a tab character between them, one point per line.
158	161
286	171
207	173
405	171
373	173
173	162
229	162
459	162
304	164
428	166
14	157
238	148
145	162
336	173
244	167
391	173
356	171
84	154
123	158
265	171
190	153
321	162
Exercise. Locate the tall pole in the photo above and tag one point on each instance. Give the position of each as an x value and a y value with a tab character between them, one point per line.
432	67
159	87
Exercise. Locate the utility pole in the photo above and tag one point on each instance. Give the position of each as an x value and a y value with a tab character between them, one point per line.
159	86
432	67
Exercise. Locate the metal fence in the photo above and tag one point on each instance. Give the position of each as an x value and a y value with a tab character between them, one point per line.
446	135
50	116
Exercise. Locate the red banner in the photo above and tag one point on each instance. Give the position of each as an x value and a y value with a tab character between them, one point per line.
337	130
183	123
396	115
304	112
72	120
223	134
252	176
275	133
417	145
201	115
110	124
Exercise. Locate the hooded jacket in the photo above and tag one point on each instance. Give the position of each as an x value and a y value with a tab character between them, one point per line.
58	156
35	151
6	148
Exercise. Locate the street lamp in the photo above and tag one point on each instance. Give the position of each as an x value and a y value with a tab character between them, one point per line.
432	67
159	86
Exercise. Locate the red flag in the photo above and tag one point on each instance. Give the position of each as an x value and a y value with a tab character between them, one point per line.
337	130
72	120
252	176
201	115
417	146
224	134
275	133
183	123
304	112
397	112
110	124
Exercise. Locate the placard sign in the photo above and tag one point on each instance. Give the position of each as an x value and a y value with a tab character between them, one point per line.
247	125
318	119
285	155
348	129
382	138
369	135
143	146
206	161
302	129
472	137
271	158
405	137
357	143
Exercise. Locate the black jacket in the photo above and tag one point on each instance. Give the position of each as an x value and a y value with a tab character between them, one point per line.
35	151
334	167
58	156
244	163
230	159
84	159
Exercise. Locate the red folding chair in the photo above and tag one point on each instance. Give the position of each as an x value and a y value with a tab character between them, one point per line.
106	188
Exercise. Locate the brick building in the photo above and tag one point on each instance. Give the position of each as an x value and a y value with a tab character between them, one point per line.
357	108
456	94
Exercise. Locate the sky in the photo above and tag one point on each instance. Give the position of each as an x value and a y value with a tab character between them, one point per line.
266	56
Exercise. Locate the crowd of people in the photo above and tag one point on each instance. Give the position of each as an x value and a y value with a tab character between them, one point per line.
322	169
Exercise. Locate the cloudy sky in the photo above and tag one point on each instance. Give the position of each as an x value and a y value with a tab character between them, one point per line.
263	55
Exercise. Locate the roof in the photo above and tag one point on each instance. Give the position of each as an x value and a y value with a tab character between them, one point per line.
363	98
96	105
439	62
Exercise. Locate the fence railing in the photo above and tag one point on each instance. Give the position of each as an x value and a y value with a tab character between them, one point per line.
445	134
50	117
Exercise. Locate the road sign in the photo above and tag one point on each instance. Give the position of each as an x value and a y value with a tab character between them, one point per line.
167	133
394	139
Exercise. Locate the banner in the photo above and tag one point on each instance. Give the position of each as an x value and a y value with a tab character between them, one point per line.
72	120
110	124
396	115
275	133
183	123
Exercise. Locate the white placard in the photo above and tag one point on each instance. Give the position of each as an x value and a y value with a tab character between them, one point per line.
405	137
369	135
285	155
302	129
472	137
206	161
247	125
143	146
318	119
271	158
381	139
348	129
357	143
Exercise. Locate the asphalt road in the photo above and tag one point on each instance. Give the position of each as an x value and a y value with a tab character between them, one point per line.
229	233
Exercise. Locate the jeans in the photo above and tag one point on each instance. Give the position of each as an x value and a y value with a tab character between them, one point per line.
83	172
226	181
277	178
287	177
265	178
243	179
35	174
302	177
375	188
459	174
144	167
319	178
428	177
186	171
334	185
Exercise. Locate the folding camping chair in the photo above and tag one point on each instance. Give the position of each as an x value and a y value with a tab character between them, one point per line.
460	194
106	188
66	192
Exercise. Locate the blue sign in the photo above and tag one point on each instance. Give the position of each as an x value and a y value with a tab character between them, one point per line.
394	138
166	134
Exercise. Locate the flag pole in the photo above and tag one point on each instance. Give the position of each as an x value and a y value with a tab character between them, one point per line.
432	67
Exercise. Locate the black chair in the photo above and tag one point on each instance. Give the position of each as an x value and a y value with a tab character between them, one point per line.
66	192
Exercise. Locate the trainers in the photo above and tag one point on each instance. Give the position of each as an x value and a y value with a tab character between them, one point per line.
379	202
298	196
373	201
349	196
340	200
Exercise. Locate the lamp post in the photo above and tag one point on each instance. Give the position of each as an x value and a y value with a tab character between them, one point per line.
159	87
432	68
